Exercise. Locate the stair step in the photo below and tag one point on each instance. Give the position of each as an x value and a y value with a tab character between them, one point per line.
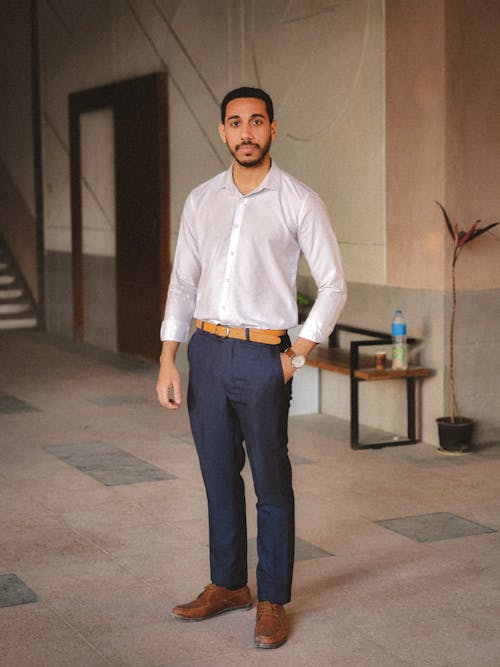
10	294
18	323
17	309
14	308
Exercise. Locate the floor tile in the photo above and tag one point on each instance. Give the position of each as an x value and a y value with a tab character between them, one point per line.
11	404
297	460
107	464
13	591
304	550
433	527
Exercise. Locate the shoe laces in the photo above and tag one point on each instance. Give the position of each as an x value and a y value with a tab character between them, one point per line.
266	607
207	590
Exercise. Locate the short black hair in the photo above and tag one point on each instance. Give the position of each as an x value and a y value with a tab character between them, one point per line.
245	91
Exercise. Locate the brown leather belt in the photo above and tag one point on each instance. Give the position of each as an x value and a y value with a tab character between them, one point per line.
268	336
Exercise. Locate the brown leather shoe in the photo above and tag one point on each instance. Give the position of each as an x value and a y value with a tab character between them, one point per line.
271	628
214	600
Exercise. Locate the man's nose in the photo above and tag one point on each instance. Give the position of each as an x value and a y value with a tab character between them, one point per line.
246	131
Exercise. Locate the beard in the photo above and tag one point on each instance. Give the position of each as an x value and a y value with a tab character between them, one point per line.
253	161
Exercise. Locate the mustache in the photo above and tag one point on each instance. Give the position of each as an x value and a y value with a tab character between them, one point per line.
247	143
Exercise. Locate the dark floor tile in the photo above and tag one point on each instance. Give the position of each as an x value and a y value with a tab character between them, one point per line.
303	551
13	591
434	527
109	465
296	460
10	404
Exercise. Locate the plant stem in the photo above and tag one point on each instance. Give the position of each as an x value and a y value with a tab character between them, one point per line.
452	338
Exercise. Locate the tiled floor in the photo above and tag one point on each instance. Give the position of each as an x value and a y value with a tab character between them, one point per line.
103	529
107	464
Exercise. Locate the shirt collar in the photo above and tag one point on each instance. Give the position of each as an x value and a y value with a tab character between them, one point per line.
272	180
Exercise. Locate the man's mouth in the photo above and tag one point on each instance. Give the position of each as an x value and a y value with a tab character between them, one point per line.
247	146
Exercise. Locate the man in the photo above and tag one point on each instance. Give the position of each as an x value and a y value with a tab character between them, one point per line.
235	271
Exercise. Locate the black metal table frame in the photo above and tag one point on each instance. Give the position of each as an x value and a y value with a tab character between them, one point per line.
377	338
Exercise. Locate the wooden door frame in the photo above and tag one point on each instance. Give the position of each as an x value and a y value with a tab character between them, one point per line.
111	97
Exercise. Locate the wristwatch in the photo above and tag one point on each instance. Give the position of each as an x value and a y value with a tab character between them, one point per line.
298	360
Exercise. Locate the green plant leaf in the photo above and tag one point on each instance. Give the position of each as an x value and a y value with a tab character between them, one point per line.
302	299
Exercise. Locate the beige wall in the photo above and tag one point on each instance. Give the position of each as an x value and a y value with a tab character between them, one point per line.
322	62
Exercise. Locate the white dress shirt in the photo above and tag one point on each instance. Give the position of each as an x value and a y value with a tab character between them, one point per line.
237	256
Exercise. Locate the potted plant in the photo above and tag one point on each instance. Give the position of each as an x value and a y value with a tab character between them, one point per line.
304	305
455	431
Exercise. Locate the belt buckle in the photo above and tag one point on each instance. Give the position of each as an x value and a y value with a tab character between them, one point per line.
222	335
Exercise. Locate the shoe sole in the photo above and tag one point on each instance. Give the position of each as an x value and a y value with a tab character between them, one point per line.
275	645
184	619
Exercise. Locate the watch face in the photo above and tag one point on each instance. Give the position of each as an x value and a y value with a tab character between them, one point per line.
298	361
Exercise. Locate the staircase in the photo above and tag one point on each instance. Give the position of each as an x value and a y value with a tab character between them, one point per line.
17	308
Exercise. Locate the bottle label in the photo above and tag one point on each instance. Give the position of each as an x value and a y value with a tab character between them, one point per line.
398	329
399	357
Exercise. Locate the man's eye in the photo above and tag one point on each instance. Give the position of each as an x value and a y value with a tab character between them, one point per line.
257	121
234	123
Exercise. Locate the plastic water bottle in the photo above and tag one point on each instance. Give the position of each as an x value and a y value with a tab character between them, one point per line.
399	348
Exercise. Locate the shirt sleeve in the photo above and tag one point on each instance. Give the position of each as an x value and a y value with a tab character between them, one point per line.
183	287
321	251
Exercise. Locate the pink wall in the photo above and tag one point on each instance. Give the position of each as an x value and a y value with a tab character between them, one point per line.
443	134
473	132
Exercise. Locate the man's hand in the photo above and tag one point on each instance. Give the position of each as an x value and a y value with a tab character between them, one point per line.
301	346
288	369
168	386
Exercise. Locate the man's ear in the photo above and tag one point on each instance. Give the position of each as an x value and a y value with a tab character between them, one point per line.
222	132
274	129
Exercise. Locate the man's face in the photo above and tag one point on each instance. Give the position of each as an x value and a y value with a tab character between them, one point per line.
247	131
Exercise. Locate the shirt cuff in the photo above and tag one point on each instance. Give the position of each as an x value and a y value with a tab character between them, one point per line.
174	330
313	331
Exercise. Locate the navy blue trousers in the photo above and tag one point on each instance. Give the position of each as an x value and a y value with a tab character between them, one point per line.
237	394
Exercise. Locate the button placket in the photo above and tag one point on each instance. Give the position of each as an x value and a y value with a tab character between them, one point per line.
231	255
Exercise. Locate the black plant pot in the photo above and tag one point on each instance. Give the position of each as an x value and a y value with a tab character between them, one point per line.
455	437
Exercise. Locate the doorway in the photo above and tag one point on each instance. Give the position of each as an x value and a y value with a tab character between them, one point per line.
118	133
